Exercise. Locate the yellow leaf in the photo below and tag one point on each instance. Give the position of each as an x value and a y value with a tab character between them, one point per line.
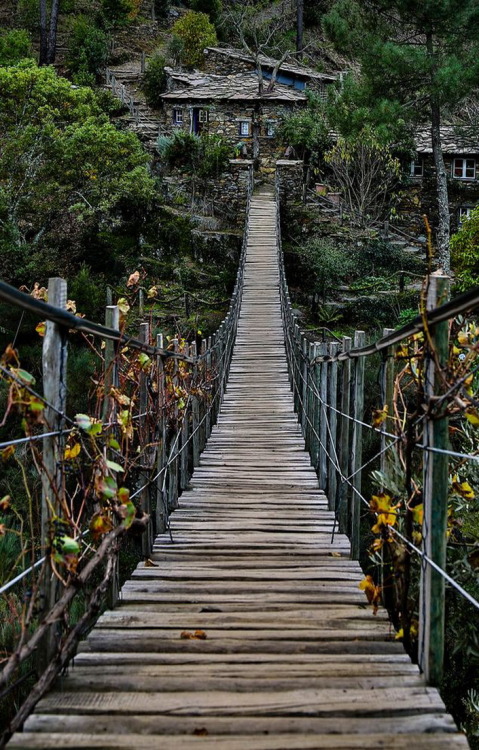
373	592
152	292
399	635
7	453
41	328
463	338
418	513
463	489
380	416
472	416
72	451
123	305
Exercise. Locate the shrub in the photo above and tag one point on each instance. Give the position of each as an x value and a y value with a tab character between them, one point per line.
28	14
206	155
195	32
465	252
153	83
180	150
88	52
120	12
212	8
15	45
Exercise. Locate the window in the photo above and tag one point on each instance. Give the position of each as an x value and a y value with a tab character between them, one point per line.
417	167
464	169
464	213
178	116
270	128
202	115
244	127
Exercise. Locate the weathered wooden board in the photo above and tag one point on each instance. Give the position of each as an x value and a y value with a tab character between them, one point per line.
287	655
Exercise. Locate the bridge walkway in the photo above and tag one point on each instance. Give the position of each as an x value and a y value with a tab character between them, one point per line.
249	631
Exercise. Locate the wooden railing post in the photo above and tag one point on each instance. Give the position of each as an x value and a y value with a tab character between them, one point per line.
112	320
208	375
332	417
344	432
185	434
202	401
356	446
161	504
144	437
387	398
323	428
315	408
309	396
435	492
111	380
54	364
195	416
173	442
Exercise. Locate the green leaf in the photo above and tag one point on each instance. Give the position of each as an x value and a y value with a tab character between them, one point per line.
113	466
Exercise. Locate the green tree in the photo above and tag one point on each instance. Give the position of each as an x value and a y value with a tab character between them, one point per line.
307	131
212	8
465	252
421	58
365	171
153	82
15	44
66	171
195	32
87	52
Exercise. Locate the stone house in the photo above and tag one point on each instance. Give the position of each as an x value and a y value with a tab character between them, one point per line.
225	99
227	61
461	157
233	107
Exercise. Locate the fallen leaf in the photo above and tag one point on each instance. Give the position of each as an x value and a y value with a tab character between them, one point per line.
41	328
150	564
198	635
133	279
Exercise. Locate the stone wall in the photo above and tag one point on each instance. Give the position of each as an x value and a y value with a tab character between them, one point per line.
224	65
224	120
289	180
225	198
420	198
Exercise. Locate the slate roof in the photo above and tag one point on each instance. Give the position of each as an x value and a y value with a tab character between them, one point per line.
269	62
455	140
237	87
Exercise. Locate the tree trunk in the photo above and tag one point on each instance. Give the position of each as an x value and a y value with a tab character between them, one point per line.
43	60
299	28
52	36
443	226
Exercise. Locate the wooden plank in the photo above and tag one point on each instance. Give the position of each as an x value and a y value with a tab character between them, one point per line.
293	657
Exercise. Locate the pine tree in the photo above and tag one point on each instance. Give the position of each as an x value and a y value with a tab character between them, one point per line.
423	56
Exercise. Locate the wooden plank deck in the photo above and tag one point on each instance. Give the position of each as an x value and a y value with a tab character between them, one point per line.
249	632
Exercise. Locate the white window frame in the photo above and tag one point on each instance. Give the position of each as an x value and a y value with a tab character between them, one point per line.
463	213
178	116
271	128
464	165
203	115
244	128
416	168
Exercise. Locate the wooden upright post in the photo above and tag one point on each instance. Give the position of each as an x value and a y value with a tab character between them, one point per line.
436	468
323	427
315	409
112	320
356	447
344	432
387	396
173	444
54	363
332	418
143	430
195	415
161	505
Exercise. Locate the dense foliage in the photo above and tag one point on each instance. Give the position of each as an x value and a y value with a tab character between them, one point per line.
66	172
193	33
